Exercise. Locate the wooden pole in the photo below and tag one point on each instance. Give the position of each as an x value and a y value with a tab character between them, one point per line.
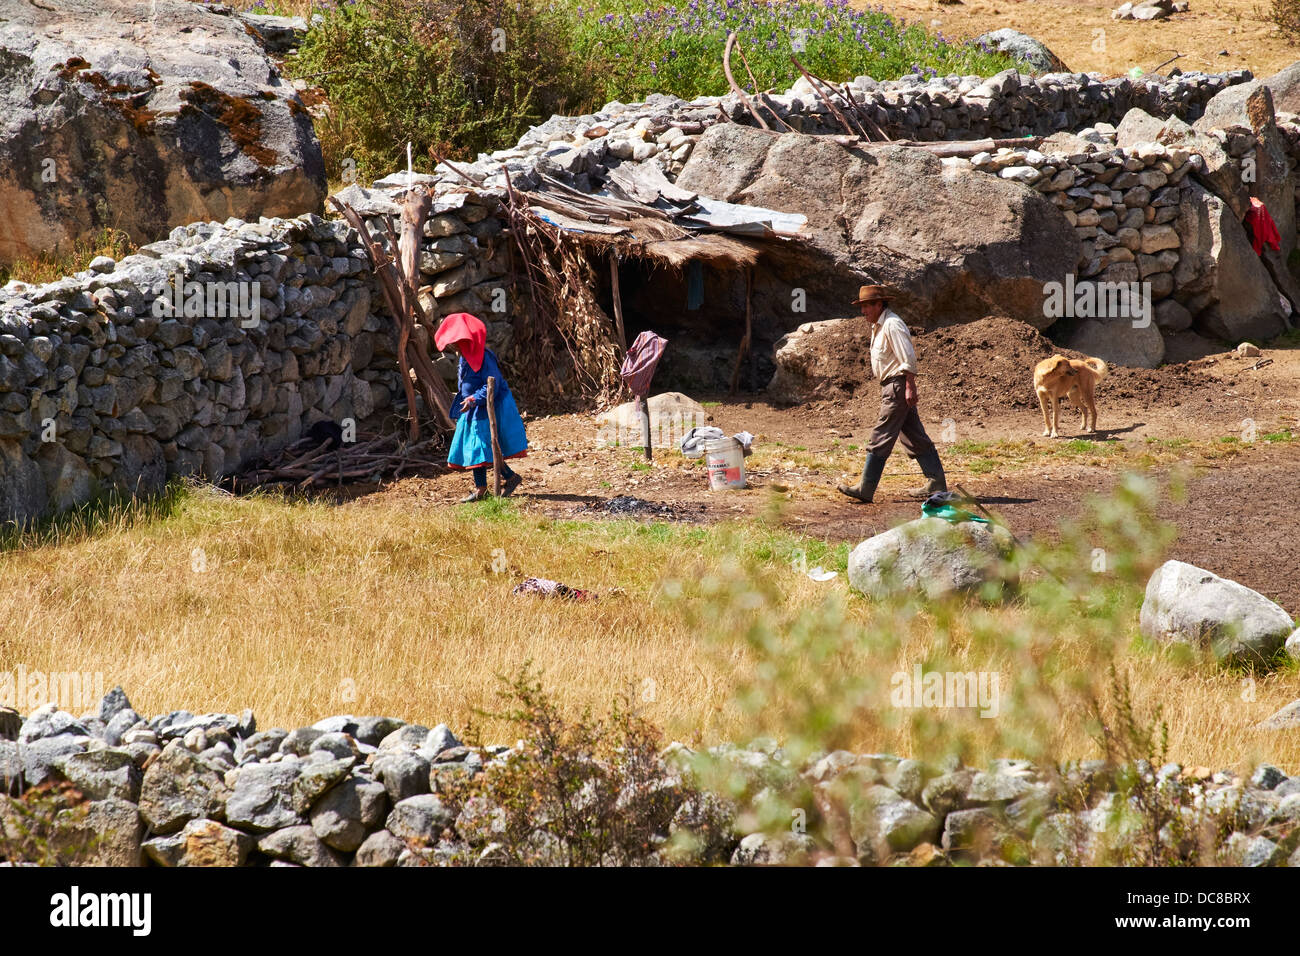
745	346
618	302
735	87
496	437
643	410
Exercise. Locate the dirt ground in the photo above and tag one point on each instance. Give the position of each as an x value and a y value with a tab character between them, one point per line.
1211	36
1230	428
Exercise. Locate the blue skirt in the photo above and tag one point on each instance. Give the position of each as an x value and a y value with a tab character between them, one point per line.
471	445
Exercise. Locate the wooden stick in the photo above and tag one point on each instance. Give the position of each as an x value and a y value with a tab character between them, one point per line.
390	283
643	411
824	98
735	87
760	95
496	440
744	343
618	301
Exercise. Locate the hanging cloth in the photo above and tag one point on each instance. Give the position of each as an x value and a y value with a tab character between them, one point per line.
640	361
1263	230
694	285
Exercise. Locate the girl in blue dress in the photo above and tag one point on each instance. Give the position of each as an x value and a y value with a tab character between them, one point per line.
471	445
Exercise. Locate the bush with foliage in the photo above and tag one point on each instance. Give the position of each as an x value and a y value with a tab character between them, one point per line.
586	792
456	79
453	77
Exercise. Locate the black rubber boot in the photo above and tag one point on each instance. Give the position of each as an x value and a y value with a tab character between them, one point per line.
932	468
865	489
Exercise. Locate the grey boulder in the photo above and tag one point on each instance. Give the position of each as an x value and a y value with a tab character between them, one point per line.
932	557
180	786
1189	605
347	812
1024	48
263	797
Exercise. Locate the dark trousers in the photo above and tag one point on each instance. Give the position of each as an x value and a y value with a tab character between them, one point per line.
480	474
898	420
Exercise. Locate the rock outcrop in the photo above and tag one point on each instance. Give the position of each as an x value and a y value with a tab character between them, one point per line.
958	244
142	117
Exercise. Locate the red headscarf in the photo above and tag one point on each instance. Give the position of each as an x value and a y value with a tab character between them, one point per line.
466	331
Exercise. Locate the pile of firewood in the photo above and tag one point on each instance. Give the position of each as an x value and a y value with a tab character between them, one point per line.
309	463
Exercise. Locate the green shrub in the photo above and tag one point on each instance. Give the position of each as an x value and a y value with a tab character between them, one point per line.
584	792
454	77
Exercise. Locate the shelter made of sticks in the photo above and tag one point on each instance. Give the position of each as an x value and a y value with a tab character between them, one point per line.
640	254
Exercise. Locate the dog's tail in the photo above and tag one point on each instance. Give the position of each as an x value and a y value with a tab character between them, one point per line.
1098	366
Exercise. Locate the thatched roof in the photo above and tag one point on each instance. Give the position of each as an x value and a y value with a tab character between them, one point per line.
674	229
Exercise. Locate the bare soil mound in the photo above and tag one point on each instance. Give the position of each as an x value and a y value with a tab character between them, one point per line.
985	367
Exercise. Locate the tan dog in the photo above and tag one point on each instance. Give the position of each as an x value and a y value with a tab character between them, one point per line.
1059	377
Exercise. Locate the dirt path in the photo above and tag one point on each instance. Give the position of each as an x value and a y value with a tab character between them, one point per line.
1212	36
1236	520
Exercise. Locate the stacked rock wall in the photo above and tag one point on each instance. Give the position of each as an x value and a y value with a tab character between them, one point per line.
101	389
1005	105
184	789
216	345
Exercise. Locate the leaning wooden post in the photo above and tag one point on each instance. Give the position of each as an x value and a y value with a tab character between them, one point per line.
496	439
643	411
618	302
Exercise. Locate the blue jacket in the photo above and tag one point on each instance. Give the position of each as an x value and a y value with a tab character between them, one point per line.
475	383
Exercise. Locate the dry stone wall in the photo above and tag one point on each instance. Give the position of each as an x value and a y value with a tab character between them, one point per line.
101	388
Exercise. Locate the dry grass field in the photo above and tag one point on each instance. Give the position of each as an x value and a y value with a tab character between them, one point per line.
386	606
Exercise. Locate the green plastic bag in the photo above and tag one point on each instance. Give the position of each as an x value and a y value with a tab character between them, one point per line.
949	512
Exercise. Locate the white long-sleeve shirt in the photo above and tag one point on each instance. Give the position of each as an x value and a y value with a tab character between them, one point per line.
891	347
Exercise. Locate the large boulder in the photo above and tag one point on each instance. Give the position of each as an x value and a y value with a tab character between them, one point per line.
672	415
957	243
1024	48
933	557
1218	276
1189	605
1120	341
142	116
803	365
1226	107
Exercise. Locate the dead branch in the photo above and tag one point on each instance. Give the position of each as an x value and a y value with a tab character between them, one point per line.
735	87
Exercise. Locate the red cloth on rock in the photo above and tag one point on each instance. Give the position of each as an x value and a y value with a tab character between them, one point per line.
466	331
1262	228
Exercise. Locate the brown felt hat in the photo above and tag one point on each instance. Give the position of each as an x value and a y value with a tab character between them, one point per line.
873	293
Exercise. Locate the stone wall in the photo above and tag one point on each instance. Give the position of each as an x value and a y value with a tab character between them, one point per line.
106	386
184	789
101	388
579	149
100	391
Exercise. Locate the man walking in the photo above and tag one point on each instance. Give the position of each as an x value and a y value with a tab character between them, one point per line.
893	362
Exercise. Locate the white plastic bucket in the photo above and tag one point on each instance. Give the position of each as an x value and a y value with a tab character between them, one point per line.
725	460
